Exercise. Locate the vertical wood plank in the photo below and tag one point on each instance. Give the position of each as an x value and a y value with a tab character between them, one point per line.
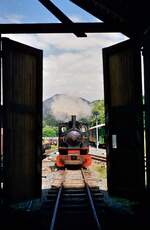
146	54
124	119
0	127
22	76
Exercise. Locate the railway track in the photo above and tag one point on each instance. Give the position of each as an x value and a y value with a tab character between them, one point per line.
98	158
75	207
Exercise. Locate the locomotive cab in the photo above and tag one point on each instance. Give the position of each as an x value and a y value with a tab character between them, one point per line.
73	144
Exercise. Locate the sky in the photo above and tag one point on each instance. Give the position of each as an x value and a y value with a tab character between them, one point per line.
72	65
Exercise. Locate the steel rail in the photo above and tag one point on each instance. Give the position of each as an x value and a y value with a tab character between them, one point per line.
52	226
98	225
53	222
29	205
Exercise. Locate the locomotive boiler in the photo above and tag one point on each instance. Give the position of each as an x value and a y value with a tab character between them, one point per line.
73	146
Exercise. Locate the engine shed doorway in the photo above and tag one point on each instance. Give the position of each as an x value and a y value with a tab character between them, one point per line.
124	119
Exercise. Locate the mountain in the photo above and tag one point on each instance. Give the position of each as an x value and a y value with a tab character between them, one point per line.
61	107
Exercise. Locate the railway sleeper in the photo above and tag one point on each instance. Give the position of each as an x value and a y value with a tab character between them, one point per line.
51	196
52	193
76	212
98	199
79	195
96	188
75	200
75	222
74	206
97	193
74	190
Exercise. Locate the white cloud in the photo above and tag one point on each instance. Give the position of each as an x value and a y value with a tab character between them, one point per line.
72	65
11	18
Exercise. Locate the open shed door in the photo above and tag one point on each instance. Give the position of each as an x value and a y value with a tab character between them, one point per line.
1	147
22	107
124	119
146	54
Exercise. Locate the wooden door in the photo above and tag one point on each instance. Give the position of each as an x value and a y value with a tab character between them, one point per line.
22	109
146	58
124	119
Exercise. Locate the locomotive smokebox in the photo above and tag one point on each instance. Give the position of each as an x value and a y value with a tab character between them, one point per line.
73	138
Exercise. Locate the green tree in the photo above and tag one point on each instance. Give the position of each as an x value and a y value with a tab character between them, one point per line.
98	106
50	120
49	131
84	120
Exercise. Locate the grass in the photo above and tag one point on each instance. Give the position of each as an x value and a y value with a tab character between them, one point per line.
54	147
100	170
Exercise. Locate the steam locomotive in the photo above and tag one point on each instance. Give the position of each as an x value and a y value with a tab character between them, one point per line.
73	144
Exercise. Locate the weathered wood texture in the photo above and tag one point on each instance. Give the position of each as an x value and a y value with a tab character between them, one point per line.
22	97
74	179
124	119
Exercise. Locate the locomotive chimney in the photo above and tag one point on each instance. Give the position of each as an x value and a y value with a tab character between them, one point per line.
73	121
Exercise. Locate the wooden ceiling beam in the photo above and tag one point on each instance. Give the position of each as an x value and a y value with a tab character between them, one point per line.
96	27
60	15
99	10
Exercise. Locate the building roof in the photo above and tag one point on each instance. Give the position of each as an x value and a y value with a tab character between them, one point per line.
133	15
97	126
126	16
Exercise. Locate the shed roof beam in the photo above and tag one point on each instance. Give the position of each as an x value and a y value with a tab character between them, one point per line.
96	27
60	15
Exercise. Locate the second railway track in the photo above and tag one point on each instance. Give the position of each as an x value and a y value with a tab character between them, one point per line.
75	204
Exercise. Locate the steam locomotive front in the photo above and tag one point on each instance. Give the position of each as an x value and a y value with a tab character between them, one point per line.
73	136
73	144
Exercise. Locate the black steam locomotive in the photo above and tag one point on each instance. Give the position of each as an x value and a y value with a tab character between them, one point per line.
73	144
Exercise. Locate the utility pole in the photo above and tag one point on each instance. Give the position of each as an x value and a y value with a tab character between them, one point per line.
97	141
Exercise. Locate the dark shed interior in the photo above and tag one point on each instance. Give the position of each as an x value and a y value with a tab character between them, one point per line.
124	109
